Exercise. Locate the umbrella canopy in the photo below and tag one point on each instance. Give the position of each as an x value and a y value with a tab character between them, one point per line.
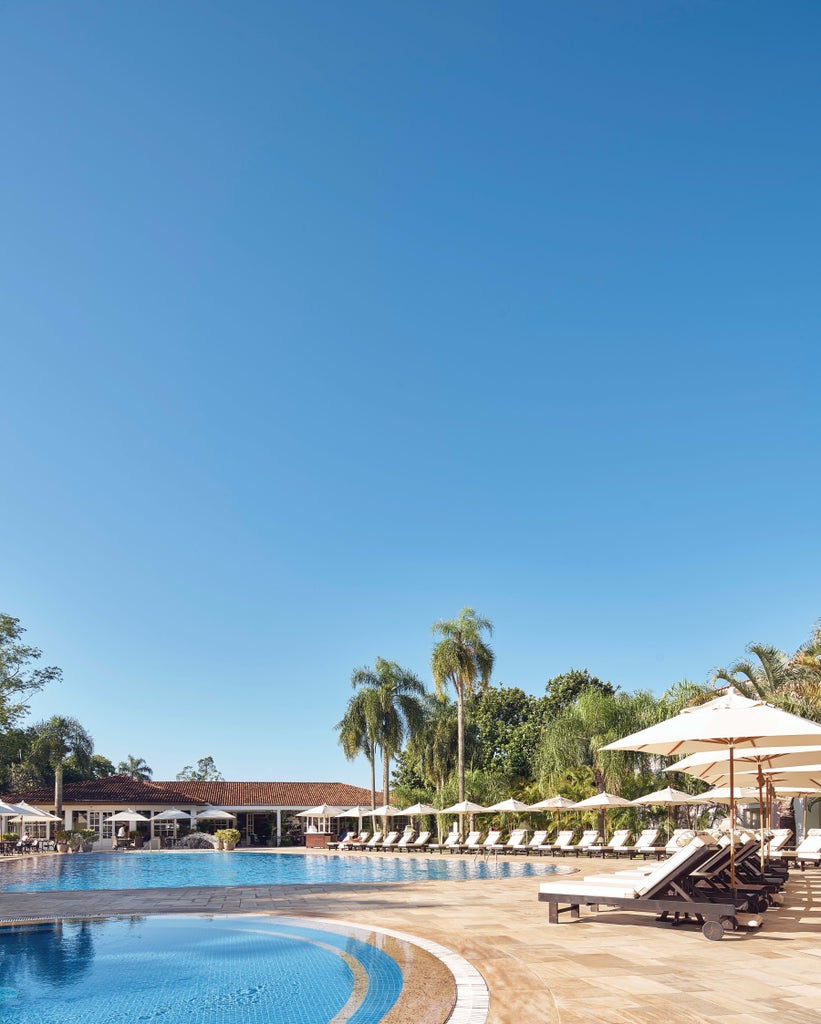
29	813
322	811
725	795
11	810
129	815
465	807
600	800
510	806
664	796
385	811
415	809
553	803
359	811
713	765
172	814
214	812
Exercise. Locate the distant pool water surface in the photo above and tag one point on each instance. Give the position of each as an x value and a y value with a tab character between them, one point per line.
157	870
193	970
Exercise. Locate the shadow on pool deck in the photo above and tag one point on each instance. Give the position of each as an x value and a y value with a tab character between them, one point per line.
622	969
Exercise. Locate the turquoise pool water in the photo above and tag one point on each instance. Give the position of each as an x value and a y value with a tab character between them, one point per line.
181	870
249	970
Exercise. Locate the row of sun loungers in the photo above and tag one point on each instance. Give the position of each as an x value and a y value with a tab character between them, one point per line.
645	846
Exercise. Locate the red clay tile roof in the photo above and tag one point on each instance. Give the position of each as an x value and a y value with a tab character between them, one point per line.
119	789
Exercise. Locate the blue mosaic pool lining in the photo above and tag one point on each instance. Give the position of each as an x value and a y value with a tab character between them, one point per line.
249	970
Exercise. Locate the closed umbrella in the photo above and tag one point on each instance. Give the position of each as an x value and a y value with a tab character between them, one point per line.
731	721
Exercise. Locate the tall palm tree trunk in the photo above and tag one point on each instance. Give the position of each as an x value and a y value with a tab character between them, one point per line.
460	740
58	790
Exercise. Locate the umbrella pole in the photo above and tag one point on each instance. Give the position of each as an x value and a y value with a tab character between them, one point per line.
732	821
761	817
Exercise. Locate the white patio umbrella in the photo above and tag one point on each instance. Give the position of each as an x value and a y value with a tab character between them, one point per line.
416	809
465	807
322	811
385	811
172	814
553	803
601	801
36	813
731	721
510	806
726	795
128	815
713	765
668	797
214	813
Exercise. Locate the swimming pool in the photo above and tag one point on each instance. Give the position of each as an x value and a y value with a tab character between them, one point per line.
248	970
156	870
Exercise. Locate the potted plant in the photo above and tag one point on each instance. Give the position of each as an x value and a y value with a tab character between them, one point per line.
62	837
227	838
88	837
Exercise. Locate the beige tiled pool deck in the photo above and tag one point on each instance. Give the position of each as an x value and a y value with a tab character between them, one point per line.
595	969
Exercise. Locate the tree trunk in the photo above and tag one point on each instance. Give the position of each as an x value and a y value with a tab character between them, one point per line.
386	785
460	741
373	782
58	790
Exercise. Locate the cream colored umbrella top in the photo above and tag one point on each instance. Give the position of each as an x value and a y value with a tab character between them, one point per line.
706	764
664	796
602	800
553	803
465	807
510	806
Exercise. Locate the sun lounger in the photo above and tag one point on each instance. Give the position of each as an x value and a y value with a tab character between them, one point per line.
373	842
515	842
588	839
680	837
777	840
808	850
491	840
347	838
471	843
536	842
388	843
664	890
405	839
563	840
452	842
617	841
644	846
422	842
356	843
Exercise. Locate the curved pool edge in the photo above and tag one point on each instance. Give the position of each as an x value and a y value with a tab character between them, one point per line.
472	998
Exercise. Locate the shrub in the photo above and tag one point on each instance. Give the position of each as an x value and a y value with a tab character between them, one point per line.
9	837
228	835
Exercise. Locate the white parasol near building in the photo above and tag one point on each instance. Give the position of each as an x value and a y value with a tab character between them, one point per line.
214	813
730	721
510	806
128	815
172	814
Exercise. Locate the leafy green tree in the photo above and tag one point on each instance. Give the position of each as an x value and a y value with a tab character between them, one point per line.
357	732
97	767
508	724
17	676
205	771
430	756
462	659
395	706
56	739
135	768
563	690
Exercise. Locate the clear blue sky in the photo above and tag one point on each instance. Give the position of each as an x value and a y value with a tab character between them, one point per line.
321	321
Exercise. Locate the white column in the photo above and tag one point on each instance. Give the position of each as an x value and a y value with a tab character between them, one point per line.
279	826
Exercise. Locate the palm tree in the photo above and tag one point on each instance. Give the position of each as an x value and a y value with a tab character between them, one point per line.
394	707
462	658
135	768
433	747
57	739
357	732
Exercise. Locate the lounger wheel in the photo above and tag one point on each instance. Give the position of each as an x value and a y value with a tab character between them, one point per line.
713	930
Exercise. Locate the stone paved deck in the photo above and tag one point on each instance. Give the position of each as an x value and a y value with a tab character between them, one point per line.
593	970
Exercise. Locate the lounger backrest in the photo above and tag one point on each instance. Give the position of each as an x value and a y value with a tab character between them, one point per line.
517	837
453	839
422	839
564	839
675	840
472	839
406	838
619	838
492	838
375	839
681	863
538	838
364	837
647	838
780	838
391	838
811	843
589	838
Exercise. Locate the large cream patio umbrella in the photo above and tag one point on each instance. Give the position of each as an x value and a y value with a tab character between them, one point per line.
731	721
601	801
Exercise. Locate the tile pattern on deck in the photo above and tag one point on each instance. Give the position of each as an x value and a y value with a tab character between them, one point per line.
592	970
